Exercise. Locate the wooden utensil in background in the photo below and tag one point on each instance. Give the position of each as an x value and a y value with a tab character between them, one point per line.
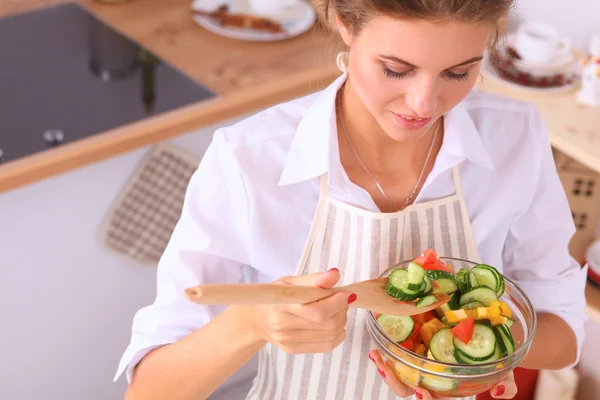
371	295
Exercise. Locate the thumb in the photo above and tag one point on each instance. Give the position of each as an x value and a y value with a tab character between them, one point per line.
325	280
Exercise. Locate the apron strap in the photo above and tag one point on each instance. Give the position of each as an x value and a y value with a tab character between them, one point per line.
457	185
319	212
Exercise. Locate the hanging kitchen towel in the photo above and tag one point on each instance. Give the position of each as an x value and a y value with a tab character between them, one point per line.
140	223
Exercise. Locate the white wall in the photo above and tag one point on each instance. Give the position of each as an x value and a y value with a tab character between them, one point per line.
66	303
577	19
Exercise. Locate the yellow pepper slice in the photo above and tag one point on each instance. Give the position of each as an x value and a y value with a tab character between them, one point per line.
505	310
458	315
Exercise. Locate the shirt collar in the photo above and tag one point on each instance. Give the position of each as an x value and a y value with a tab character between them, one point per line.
462	139
309	154
312	151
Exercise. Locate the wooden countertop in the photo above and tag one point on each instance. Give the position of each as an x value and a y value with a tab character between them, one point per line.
246	76
574	129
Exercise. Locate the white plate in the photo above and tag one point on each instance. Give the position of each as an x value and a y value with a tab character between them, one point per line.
561	64
295	20
489	71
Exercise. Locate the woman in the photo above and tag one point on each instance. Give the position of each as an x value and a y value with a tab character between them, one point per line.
397	155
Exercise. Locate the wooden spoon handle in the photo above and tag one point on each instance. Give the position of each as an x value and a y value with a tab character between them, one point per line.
254	294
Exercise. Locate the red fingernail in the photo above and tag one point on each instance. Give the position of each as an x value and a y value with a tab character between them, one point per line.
381	372
333	269
371	358
500	390
419	395
352	298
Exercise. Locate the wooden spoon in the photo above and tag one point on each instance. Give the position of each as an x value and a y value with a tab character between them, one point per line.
371	295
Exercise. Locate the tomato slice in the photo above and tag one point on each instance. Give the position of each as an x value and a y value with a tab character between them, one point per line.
428	256
464	330
416	331
408	344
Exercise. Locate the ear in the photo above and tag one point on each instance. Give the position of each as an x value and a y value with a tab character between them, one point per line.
344	32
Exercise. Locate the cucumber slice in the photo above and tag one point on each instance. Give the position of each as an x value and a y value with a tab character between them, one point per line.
439	384
472	305
446	282
500	341
454	302
490	277
462	278
426	301
428	287
434	275
398	286
473	282
415	276
500	292
509	322
445	286
507	338
482	294
442	346
481	347
397	328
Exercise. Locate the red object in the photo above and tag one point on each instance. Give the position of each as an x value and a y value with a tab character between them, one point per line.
425	317
430	261
500	390
334	269
426	257
526	380
352	298
416	331
419	395
408	344
381	372
464	330
436	265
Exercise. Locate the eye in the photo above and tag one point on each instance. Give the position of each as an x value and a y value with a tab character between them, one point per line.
457	77
396	75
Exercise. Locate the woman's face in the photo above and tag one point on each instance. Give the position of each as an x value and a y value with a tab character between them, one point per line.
409	73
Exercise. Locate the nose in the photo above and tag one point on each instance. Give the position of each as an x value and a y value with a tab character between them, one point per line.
422	97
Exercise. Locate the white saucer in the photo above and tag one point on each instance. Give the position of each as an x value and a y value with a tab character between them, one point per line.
489	71
561	64
295	20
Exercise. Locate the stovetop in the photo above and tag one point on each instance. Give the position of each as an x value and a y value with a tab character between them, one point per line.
65	75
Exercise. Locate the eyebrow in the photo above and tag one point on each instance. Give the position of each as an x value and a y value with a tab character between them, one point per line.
400	61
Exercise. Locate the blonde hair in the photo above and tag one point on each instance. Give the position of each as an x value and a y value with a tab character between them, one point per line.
354	14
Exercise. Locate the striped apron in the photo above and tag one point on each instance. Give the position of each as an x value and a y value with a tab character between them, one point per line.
362	245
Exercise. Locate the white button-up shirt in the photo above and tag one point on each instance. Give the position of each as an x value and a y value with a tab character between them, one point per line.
249	207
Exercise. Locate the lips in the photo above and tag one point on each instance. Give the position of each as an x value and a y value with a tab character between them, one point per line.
411	121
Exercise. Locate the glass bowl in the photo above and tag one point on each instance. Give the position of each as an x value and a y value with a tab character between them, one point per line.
456	380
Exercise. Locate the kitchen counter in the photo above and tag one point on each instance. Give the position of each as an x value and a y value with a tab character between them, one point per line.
246	76
574	129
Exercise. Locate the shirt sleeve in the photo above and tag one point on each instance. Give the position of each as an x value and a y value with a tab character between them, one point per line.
536	254
208	244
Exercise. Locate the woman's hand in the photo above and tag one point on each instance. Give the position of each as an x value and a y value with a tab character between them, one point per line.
318	327
506	389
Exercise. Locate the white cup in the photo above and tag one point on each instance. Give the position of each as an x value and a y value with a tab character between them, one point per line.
270	7
539	42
